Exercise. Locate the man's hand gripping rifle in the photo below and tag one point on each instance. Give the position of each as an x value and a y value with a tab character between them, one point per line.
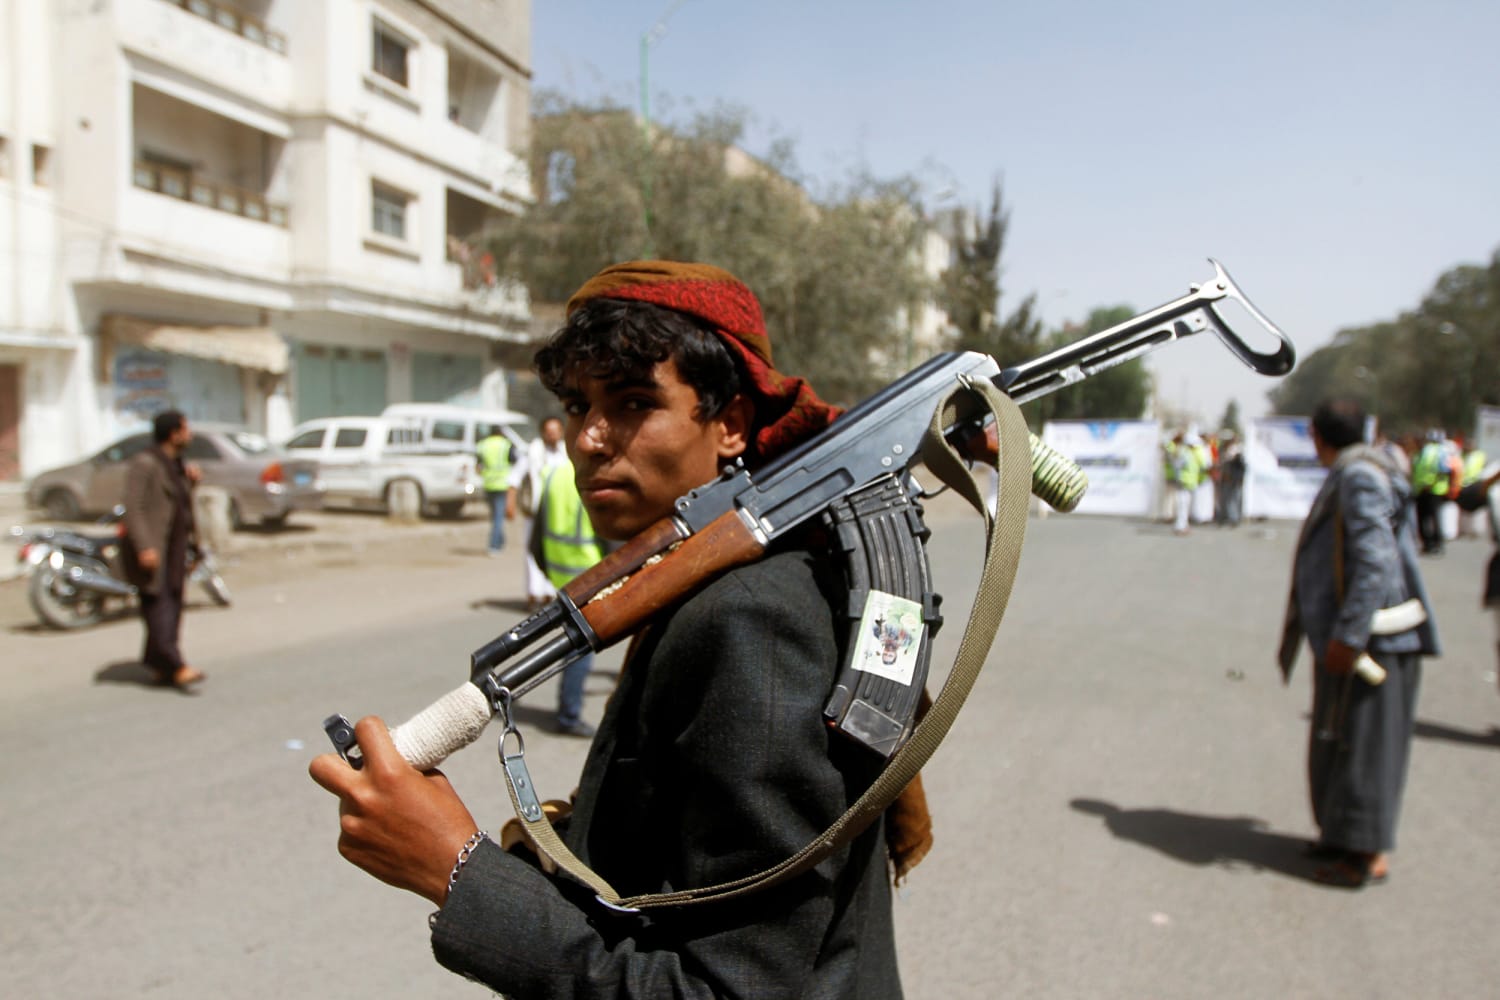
856	476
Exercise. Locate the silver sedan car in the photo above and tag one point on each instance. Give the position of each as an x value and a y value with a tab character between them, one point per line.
264	484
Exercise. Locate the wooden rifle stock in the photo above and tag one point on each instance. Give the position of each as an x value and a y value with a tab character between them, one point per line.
625	560
981	444
614	612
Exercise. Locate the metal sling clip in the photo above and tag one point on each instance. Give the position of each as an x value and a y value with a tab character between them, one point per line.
516	774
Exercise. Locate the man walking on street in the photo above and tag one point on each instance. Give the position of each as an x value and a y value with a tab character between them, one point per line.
494	455
564	544
542	455
1358	596
159	534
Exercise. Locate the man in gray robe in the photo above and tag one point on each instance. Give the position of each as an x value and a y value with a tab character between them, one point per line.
1358	596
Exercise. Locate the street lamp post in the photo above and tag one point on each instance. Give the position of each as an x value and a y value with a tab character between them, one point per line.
649	38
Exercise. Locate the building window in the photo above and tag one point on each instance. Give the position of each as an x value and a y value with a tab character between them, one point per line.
226	15
41	165
474	96
388	211
391	55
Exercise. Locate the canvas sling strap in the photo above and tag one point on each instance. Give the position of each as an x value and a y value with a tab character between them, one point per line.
1005	530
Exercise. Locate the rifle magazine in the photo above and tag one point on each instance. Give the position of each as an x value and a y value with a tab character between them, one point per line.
892	613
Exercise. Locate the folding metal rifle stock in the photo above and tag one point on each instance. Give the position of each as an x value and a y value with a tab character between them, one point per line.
857	476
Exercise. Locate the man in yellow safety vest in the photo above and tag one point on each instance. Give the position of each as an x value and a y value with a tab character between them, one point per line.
493	453
1435	477
1184	472
564	544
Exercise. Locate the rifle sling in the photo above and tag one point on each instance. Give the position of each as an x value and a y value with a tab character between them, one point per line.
1005	531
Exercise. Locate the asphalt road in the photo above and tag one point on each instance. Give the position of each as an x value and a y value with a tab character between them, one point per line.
1119	809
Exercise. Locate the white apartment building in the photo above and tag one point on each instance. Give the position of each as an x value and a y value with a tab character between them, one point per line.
255	211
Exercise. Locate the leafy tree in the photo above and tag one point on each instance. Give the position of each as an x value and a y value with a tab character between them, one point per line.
1350	366
1230	421
1432	366
1119	393
969	290
1456	336
835	273
586	166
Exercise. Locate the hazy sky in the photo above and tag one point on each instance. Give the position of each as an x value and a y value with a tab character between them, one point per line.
1337	157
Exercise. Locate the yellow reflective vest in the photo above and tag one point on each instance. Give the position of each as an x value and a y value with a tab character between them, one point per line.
1473	466
568	544
1429	473
494	463
1184	466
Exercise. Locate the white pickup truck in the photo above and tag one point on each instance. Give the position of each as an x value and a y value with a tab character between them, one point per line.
361	458
429	444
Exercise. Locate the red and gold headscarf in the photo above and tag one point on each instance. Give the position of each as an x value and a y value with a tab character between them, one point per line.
787	410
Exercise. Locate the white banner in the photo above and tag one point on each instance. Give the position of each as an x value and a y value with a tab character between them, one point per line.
1282	474
1487	424
1122	459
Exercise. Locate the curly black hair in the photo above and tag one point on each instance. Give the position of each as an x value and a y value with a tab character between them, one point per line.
165	424
618	339
1340	422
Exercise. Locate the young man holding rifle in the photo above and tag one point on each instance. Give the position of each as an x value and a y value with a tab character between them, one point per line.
712	761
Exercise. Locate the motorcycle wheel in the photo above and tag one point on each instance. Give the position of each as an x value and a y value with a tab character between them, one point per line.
61	605
212	583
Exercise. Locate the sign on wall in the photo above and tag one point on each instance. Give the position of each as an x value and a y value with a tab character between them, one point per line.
142	388
1122	459
1282	474
147	382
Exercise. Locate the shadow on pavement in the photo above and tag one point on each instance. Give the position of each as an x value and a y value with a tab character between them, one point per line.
128	672
542	716
1438	731
113	614
280	529
1224	841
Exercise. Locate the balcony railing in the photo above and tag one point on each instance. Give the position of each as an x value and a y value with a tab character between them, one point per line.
476	265
187	186
230	19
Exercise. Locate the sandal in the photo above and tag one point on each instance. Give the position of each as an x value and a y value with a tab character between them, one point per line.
186	678
1350	874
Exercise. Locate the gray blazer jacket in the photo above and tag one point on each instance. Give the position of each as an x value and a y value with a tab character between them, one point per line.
1370	498
712	762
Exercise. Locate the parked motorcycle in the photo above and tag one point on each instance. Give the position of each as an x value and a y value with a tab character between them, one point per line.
76	577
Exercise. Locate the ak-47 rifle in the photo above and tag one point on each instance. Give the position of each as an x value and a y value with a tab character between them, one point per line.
857	476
